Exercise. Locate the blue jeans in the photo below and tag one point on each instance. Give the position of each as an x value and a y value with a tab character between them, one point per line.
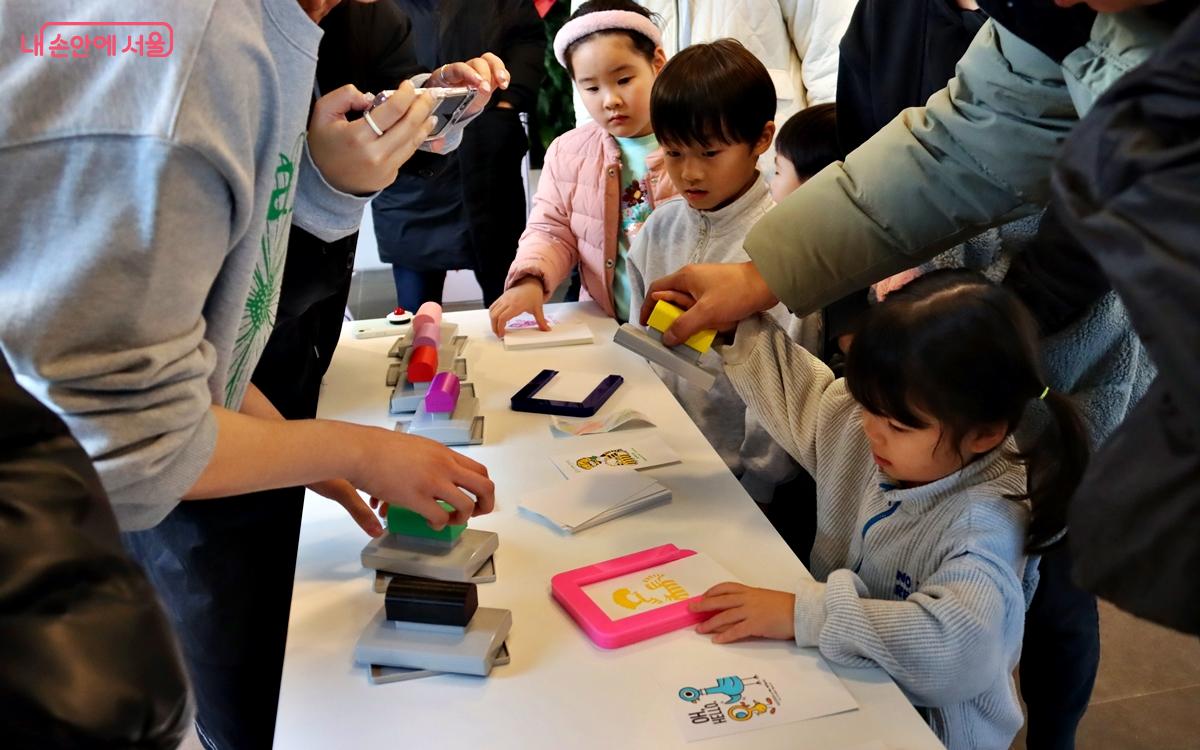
415	287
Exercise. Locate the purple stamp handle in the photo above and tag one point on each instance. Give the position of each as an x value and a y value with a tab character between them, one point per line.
427	333
430	312
443	393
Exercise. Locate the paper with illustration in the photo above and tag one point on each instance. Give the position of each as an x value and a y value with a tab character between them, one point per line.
656	587
728	690
613	455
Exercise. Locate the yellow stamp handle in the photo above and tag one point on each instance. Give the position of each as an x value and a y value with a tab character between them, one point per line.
664	314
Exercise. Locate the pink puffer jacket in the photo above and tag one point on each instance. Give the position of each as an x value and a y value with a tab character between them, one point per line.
576	213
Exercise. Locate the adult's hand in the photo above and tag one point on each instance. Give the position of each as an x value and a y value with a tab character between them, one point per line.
486	73
350	155
343	493
414	473
715	295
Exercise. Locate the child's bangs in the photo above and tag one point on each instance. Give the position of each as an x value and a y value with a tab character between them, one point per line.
680	121
878	376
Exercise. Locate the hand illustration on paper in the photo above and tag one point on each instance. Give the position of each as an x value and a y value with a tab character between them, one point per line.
673	591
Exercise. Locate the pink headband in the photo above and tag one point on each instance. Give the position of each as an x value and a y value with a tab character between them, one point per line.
603	20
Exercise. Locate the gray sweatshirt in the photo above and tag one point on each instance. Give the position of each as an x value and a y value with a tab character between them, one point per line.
675	235
931	583
149	202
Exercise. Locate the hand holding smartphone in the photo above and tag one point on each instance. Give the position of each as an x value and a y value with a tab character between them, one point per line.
449	109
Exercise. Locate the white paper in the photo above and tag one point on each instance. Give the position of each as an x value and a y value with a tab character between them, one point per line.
728	690
657	586
373	328
660	495
594	499
570	386
566	334
613	455
573	503
598	424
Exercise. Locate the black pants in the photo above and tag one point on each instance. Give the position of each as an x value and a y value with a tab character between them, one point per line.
468	213
224	568
1060	655
493	195
793	513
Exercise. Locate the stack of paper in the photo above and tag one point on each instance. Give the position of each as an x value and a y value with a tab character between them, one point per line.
593	499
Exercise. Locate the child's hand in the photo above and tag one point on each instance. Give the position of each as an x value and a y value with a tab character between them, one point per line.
524	296
743	612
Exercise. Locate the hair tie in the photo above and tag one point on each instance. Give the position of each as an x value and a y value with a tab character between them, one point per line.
1045	392
603	20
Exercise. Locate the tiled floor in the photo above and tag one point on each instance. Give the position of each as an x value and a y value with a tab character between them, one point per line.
1147	694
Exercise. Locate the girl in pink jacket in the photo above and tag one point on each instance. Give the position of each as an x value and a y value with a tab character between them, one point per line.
600	181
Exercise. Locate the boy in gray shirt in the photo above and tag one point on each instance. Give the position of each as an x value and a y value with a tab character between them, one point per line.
712	108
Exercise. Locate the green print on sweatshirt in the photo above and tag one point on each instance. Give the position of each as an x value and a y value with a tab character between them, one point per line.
258	317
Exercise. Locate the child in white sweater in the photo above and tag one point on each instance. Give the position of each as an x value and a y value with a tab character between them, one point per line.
712	108
924	510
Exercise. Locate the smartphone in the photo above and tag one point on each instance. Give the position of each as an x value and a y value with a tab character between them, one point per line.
452	103
449	109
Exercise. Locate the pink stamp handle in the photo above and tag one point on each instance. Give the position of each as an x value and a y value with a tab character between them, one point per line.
443	393
430	312
427	333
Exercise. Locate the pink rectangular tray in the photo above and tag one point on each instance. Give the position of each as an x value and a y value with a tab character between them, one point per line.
606	632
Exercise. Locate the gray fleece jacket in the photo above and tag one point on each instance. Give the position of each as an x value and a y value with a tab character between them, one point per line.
1099	360
677	234
931	583
149	202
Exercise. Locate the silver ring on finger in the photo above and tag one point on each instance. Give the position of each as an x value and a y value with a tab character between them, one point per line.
371	122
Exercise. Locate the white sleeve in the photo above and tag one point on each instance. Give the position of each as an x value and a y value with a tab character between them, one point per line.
816	28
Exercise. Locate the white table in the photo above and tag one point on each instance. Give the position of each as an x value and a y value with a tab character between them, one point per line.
560	690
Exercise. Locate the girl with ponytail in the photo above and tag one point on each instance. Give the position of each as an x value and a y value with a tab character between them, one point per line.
929	517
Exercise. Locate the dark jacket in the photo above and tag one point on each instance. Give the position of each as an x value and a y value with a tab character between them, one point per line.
422	221
86	656
1126	189
370	46
894	55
